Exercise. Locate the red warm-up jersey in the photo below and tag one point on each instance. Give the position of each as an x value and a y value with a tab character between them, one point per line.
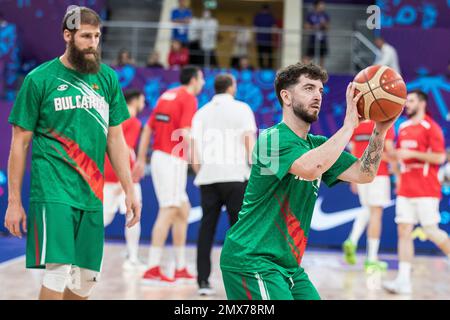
419	178
360	140
131	130
173	111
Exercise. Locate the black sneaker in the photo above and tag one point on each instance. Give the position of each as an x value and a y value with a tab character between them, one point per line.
204	289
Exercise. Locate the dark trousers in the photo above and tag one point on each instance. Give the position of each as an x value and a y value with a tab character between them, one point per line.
195	53
265	51
209	56
213	197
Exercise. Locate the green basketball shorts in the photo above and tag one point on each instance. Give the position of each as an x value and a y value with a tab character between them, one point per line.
268	285
59	233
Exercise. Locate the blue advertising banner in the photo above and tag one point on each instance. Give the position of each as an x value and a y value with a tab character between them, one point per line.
415	13
9	60
335	209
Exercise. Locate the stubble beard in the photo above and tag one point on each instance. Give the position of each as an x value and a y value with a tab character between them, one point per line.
301	112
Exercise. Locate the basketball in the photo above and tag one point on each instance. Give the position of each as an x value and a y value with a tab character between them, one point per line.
384	93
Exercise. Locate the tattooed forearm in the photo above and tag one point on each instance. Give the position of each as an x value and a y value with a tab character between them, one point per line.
370	161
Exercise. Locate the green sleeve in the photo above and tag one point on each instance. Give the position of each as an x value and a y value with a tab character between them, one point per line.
25	112
276	156
345	161
118	110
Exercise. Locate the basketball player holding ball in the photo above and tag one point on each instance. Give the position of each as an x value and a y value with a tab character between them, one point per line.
262	253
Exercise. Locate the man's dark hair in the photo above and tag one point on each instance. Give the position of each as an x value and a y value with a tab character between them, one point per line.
187	73
317	2
76	16
222	82
132	94
290	76
420	94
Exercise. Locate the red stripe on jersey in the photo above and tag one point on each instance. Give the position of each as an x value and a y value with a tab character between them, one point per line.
87	167
293	225
36	247
247	292
295	252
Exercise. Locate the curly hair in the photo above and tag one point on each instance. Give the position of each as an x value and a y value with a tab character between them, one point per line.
290	76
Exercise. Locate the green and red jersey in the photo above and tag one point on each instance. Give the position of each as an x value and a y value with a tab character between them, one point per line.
274	222
69	114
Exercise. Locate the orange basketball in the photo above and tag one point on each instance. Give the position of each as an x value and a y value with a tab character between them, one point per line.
384	93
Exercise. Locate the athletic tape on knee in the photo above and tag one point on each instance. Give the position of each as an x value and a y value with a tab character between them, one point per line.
56	276
83	281
435	234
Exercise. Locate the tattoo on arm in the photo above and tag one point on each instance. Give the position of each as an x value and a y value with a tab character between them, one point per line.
370	161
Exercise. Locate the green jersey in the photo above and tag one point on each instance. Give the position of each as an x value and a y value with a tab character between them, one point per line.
69	114
274	222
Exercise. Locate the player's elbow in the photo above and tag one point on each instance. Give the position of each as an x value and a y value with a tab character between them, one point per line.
305	171
365	178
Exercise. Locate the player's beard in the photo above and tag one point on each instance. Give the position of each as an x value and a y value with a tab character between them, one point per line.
411	113
301	112
79	60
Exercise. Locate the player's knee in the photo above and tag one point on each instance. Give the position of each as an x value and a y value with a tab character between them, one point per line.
404	231
435	234
169	215
56	276
83	281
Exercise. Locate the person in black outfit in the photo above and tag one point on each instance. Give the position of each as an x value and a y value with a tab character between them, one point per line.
223	173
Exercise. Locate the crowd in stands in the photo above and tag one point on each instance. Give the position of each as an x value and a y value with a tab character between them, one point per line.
194	41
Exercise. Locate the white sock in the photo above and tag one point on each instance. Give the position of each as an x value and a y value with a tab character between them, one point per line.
404	272
180	257
372	249
154	256
132	236
359	225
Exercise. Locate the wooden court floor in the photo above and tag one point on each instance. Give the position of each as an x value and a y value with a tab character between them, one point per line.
332	278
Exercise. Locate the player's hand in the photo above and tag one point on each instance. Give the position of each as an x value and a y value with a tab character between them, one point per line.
138	171
384	126
15	218
352	118
134	208
404	154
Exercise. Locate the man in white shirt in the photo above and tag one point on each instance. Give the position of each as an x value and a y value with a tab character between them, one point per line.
208	39
387	55
223	136
194	34
242	38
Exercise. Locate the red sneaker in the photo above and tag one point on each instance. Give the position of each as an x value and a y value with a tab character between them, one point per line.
183	275
154	276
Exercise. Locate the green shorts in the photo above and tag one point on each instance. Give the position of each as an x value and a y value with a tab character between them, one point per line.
268	285
60	233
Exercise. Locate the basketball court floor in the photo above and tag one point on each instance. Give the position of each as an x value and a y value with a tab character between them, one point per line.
326	269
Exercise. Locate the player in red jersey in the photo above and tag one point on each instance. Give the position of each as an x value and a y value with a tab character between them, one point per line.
373	196
170	124
114	196
420	151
